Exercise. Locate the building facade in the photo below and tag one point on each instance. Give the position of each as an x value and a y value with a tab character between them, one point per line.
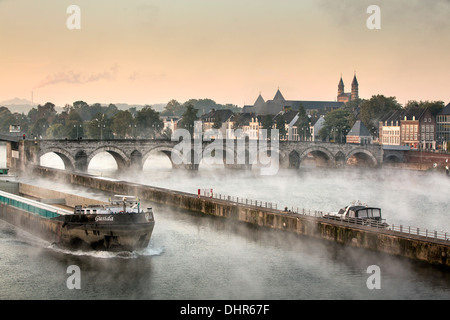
443	127
414	127
359	134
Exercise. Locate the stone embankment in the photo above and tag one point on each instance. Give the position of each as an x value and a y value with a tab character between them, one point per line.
429	250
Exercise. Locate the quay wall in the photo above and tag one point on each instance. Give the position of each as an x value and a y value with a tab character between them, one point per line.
386	241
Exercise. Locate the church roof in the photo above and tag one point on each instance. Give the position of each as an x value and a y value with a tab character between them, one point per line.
279	103
278	95
341	83
259	102
354	80
359	130
446	110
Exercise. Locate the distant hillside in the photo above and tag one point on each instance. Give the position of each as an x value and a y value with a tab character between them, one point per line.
18	105
157	107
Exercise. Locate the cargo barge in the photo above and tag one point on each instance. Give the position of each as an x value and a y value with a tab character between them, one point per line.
120	225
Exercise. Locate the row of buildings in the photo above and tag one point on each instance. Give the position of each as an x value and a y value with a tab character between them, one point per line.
416	128
250	120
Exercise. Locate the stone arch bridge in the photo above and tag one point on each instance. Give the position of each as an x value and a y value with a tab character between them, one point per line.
77	154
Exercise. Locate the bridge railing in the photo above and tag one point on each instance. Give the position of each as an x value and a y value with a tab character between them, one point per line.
409	231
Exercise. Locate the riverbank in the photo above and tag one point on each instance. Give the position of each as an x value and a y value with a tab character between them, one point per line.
387	241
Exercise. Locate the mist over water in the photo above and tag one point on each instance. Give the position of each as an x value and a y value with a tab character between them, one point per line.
192	256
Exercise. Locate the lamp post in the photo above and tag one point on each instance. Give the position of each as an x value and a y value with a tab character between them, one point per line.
132	131
101	125
77	126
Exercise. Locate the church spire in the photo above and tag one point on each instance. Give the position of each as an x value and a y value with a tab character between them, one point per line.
355	89
278	95
340	86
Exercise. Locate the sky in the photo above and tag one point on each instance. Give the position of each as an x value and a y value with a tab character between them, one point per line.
152	51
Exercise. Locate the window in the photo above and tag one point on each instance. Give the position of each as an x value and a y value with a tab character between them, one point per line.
376	213
362	213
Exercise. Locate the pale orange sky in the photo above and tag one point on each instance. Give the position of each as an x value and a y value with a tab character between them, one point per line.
152	51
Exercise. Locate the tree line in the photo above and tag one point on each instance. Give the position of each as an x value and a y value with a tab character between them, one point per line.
340	121
96	121
83	121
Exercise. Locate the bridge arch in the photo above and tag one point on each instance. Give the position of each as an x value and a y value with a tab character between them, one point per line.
168	150
66	157
119	156
393	157
230	157
322	156
362	154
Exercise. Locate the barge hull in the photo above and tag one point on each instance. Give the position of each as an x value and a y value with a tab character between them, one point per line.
100	237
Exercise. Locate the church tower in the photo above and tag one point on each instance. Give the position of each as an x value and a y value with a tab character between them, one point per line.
355	94
341	87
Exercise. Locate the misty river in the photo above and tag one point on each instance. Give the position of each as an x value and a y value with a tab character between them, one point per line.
192	256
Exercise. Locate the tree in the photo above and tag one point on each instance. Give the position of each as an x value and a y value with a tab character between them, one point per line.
337	124
47	111
217	121
303	124
166	134
372	110
99	127
267	124
188	119
5	119
56	131
121	123
280	122
434	106
148	122
39	128
83	110
173	108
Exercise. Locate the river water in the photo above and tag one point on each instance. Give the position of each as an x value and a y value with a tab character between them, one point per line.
198	257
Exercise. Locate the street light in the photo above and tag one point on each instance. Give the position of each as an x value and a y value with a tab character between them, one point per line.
131	126
75	126
100	122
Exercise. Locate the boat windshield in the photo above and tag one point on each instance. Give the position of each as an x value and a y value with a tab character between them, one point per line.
369	213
